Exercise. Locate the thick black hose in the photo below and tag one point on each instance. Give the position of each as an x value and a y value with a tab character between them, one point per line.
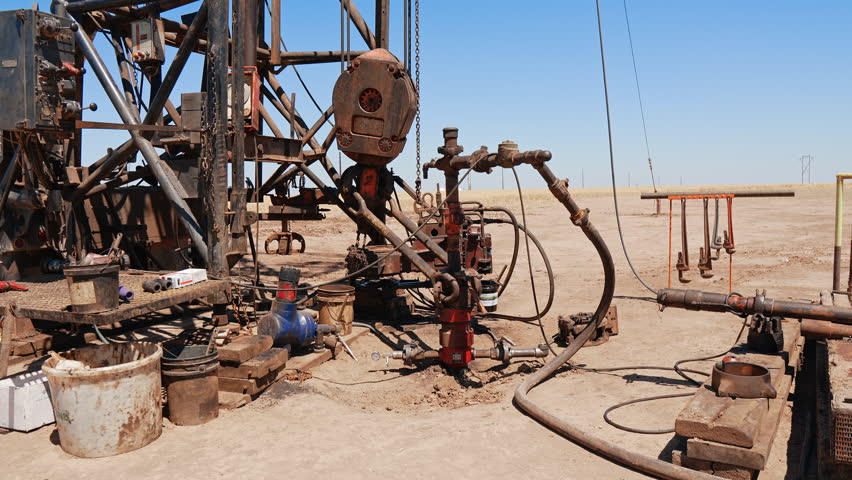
617	453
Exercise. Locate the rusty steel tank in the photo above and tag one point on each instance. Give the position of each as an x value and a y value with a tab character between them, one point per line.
374	105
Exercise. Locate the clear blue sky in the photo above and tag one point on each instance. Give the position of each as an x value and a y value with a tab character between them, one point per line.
734	92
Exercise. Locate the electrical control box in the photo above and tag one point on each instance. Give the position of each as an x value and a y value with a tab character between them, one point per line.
147	41
38	78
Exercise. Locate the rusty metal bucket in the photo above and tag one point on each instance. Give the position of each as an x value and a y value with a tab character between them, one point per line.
190	376
113	404
93	288
336	306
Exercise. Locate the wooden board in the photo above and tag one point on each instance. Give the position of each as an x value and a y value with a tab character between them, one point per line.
249	386
315	359
755	457
244	348
737	421
48	299
721	470
259	366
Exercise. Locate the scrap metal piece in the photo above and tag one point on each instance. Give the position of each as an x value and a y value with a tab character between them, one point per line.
571	327
741	380
285	243
765	334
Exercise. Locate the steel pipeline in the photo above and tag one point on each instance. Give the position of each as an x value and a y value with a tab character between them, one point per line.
721	302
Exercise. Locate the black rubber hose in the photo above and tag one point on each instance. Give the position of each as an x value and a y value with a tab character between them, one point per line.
550	277
644	463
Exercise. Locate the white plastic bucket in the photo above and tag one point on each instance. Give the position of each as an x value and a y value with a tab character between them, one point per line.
113	407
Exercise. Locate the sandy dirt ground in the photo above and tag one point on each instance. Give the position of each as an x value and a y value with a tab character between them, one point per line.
366	419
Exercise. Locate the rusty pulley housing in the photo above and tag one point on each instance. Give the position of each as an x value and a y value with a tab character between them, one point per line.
374	105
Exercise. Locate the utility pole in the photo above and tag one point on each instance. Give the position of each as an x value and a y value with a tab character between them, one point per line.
805	163
583	178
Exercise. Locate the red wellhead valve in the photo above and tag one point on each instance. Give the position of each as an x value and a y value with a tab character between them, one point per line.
374	104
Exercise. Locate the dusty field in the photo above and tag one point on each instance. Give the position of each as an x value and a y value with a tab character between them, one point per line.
368	420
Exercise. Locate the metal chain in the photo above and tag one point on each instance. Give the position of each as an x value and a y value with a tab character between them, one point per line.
417	182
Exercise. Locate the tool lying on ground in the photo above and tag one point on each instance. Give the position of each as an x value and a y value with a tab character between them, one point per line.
12	287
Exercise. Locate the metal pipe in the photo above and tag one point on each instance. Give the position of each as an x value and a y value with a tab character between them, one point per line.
838	232
721	302
410	226
168	182
119	181
178	63
359	23
739	194
82	6
365	214
217	119
383	24
242	27
8	175
317	125
825	329
275	55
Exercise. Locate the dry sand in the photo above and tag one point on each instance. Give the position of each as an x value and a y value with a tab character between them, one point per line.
368	420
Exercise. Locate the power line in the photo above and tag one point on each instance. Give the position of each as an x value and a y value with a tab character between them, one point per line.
639	94
612	156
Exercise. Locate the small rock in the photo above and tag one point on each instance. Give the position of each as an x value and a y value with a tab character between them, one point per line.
389	408
436	387
524	368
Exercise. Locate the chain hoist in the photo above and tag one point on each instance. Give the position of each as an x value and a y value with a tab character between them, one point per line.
417	182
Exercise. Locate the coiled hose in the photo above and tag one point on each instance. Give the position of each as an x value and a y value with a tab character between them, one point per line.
550	277
637	461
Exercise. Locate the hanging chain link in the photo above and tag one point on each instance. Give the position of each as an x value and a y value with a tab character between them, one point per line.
417	182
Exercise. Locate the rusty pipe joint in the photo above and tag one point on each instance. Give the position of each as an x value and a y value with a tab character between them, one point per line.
504	351
410	353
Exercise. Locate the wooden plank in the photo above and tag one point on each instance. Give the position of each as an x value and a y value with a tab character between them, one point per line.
244	348
734	421
259	366
737	421
755	457
315	359
250	386
721	470
35	345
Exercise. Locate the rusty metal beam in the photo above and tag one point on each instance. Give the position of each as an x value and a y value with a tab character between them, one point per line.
383	24
736	194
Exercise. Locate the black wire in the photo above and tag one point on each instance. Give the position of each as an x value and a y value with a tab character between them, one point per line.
638	90
612	156
529	263
676	368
